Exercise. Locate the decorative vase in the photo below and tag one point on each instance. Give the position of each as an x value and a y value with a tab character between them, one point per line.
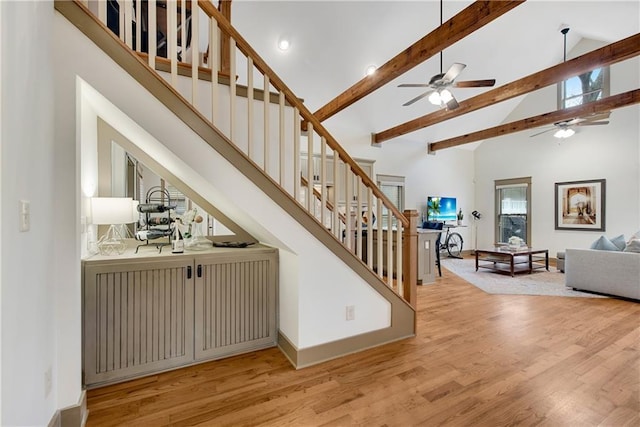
197	242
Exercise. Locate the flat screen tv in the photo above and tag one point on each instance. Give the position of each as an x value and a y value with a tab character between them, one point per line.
442	208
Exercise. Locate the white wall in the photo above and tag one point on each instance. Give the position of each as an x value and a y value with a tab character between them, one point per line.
29	274
611	152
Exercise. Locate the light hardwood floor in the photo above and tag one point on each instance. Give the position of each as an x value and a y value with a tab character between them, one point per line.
478	360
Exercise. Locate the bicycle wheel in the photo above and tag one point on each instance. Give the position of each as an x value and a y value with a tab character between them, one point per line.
454	245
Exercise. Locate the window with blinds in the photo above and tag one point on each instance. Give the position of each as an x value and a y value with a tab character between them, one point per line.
393	187
178	199
513	207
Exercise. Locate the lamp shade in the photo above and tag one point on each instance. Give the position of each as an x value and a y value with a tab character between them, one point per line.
111	210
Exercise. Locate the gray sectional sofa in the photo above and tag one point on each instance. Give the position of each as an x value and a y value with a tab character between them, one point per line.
608	272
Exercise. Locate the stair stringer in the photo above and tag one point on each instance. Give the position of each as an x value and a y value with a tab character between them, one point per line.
312	296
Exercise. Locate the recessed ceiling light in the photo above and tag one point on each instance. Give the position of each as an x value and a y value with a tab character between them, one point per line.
371	69
284	44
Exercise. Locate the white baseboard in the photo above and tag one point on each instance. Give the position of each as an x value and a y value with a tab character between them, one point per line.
71	416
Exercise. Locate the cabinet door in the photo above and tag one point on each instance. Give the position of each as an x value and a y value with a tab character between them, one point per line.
317	167
138	318
236	306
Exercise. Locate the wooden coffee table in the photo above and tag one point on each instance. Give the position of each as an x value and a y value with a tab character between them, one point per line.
503	259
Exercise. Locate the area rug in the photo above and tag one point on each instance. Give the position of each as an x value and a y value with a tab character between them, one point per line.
540	282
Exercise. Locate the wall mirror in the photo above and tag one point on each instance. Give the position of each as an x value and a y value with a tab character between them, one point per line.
132	178
124	170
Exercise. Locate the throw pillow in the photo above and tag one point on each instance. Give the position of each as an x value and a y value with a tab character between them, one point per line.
619	242
636	236
633	246
604	244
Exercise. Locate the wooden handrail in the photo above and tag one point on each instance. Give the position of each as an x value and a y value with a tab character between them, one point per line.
262	66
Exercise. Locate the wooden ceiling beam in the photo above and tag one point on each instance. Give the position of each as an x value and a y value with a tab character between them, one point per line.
601	106
475	16
607	55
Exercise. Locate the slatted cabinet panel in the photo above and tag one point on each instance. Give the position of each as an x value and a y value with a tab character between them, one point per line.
138	318
147	313
236	308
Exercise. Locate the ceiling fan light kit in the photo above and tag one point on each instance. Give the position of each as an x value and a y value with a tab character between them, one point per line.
564	133
440	97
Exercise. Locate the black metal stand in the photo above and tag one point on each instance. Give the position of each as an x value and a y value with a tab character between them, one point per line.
162	200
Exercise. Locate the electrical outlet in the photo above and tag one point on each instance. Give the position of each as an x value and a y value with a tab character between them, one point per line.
351	312
48	381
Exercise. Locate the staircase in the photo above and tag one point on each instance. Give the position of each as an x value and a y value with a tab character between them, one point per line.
252	119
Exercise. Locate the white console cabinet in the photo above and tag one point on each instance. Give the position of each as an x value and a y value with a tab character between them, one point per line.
149	312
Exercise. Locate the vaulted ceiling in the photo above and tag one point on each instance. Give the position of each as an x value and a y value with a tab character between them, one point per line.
333	42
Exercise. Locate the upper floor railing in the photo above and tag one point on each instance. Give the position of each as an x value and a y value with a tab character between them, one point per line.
263	118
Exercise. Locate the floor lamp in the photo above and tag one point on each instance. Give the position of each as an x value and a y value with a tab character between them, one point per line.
476	216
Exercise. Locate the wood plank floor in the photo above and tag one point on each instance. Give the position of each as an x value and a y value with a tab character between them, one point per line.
478	360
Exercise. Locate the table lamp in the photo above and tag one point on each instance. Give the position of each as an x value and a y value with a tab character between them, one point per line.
112	211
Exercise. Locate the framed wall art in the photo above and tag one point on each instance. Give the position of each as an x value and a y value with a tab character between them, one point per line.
580	205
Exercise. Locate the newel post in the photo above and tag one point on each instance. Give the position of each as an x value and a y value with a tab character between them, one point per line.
410	258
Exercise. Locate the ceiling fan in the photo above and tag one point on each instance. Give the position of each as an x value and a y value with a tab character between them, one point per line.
439	93
565	129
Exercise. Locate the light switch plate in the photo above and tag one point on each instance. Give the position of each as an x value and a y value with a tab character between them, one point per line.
25	215
351	312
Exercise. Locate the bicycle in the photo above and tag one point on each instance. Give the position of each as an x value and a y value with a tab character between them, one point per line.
452	242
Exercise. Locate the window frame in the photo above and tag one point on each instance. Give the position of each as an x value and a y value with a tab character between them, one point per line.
605	90
513	182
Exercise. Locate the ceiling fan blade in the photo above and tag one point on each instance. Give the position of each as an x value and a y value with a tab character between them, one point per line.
599	116
414	85
452	104
453	72
476	83
540	133
580	95
417	98
593	123
571	122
